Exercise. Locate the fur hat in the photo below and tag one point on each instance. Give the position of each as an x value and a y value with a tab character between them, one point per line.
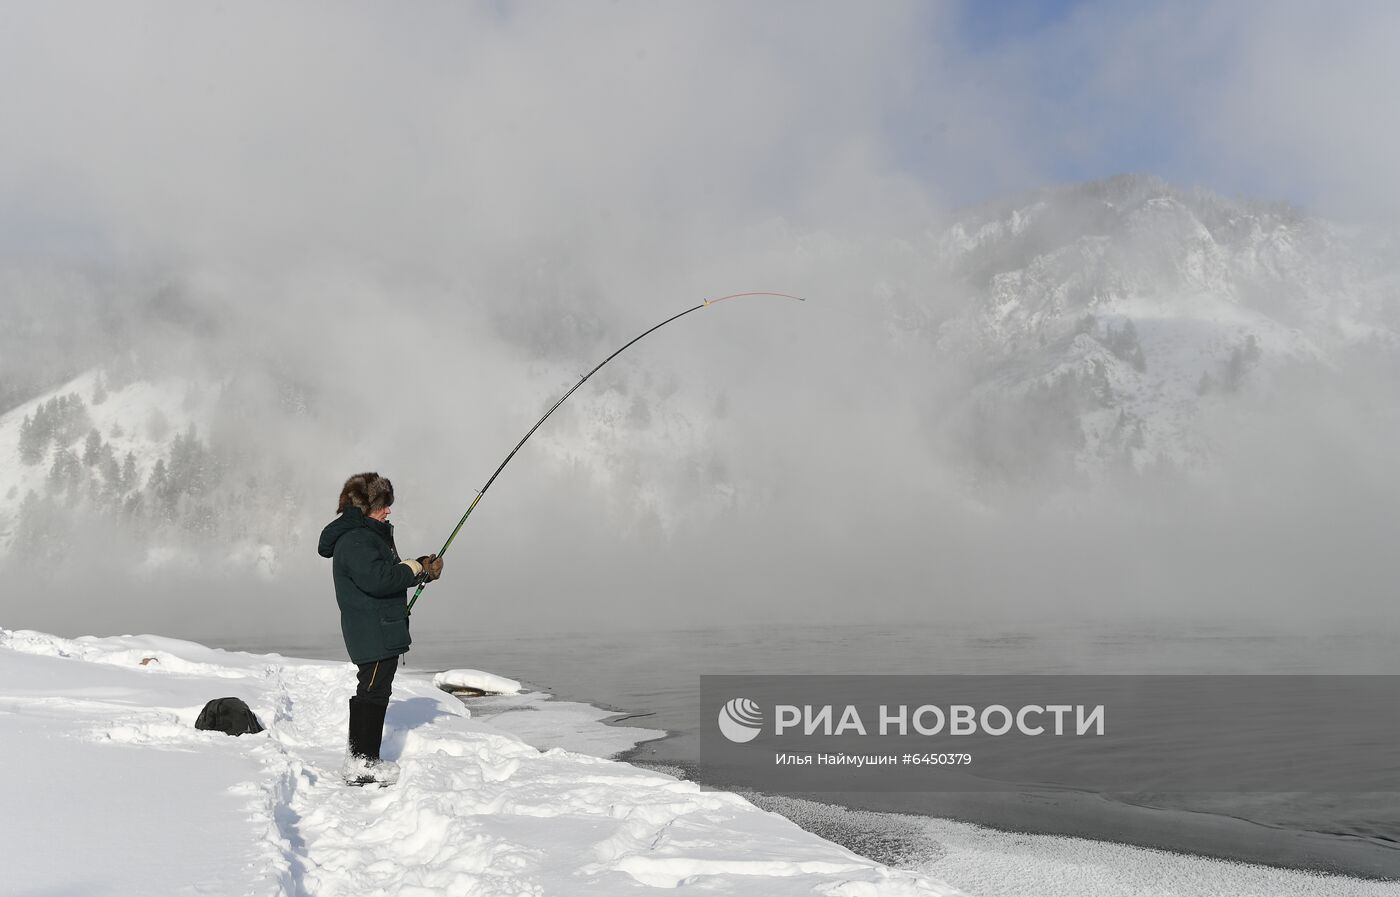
366	491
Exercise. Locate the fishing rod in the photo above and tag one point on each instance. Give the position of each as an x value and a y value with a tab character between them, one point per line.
482	491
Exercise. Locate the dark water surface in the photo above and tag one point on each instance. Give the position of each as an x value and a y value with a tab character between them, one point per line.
653	679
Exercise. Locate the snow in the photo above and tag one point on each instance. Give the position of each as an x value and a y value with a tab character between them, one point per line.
541	721
122	795
476	680
998	864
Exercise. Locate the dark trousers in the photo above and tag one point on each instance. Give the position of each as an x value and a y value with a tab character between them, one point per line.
376	680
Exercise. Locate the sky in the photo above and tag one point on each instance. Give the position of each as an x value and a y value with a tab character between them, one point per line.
1279	100
482	199
139	127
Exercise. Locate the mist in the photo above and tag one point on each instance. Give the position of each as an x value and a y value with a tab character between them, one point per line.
390	239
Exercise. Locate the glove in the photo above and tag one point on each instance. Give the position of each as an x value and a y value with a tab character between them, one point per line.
432	567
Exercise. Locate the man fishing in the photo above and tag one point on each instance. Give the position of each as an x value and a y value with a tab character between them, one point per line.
371	587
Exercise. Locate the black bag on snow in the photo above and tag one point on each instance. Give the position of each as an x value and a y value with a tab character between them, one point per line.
230	716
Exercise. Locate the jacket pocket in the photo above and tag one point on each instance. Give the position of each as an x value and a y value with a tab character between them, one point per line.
393	628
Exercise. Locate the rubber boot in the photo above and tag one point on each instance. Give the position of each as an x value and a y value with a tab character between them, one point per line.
372	733
385	772
356	770
362	763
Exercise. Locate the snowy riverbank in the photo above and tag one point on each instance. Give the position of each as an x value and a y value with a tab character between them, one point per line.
121	795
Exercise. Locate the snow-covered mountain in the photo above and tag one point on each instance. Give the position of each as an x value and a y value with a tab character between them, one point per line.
1106	319
134	457
1072	335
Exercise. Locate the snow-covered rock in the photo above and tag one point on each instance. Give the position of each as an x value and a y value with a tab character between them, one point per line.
477	681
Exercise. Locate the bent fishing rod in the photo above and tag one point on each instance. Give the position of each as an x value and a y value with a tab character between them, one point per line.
582	380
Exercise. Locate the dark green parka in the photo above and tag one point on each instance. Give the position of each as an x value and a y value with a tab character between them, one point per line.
371	585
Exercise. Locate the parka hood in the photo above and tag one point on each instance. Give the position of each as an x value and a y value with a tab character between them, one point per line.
352	519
